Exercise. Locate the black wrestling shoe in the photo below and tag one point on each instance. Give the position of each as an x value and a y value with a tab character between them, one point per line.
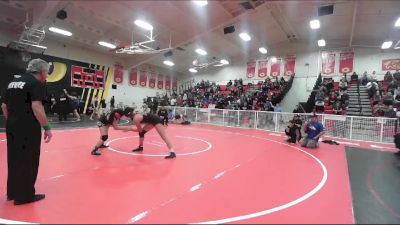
95	152
138	149
171	155
34	199
104	146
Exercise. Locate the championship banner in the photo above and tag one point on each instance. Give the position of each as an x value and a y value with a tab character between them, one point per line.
290	63
160	81
251	69
390	64
118	74
262	68
328	63
174	84
133	77
346	62
143	78
276	68
167	82
152	79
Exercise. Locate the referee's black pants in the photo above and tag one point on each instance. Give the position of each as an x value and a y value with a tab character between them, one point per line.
23	153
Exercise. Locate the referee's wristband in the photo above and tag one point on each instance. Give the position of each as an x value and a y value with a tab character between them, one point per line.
47	127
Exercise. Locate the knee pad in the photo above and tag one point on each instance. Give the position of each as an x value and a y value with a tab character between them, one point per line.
141	134
104	137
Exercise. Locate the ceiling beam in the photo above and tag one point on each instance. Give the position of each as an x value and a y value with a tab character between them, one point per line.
353	23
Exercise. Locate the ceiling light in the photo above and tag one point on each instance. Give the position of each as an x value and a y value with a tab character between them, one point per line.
387	44
224	61
201	2
397	24
106	44
245	36
263	50
274	59
143	24
201	51
321	43
169	63
315	24
192	70
60	31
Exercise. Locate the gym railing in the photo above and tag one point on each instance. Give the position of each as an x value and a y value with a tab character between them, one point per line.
376	129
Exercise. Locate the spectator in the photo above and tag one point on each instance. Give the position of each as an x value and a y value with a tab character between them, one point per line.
337	108
298	109
390	113
278	108
344	98
379	109
343	84
332	99
364	79
372	77
314	130
290	132
388	99
388	77
354	77
392	87
396	76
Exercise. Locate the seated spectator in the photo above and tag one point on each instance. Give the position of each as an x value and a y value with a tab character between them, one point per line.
319	106
354	77
379	109
337	108
372	77
364	79
314	130
388	99
396	76
344	99
390	113
392	87
343	84
388	77
397	101
332	99
277	108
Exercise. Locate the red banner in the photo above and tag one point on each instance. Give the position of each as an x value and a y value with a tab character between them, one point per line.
390	64
133	77
346	62
328	63
160	81
174	84
290	63
167	82
276	68
152	79
251	69
118	74
143	78
262	68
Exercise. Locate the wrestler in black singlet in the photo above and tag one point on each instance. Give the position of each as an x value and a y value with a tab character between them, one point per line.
108	118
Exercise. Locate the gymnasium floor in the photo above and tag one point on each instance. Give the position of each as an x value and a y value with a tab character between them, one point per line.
221	175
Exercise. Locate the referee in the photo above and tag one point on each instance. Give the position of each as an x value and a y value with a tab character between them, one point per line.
24	112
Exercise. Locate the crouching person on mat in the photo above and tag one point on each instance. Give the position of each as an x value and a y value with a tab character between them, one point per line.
151	121
104	123
314	130
290	132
